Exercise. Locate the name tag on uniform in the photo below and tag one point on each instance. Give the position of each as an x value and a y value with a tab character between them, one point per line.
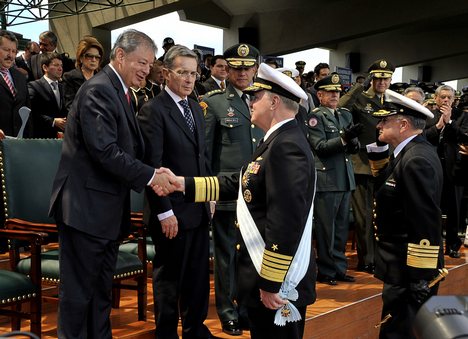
391	183
231	120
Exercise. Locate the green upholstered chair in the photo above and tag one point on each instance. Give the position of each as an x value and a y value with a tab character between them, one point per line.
17	289
28	168
131	246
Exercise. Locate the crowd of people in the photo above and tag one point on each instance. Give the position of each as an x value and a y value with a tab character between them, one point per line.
257	150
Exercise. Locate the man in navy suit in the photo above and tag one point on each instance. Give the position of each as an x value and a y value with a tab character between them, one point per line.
174	132
46	95
13	89
90	200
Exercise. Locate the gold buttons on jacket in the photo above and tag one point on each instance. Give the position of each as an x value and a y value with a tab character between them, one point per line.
238	247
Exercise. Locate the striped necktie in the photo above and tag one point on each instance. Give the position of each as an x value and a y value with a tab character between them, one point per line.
188	114
222	85
6	77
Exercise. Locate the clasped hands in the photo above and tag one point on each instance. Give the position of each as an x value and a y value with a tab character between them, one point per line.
165	182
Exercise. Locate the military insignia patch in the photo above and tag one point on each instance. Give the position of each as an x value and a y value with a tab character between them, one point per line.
368	108
247	196
243	50
230	112
288	73
285	312
313	122
255	167
383	64
335	78
274	247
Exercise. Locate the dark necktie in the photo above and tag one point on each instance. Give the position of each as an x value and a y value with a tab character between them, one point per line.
245	99
6	77
188	115
55	89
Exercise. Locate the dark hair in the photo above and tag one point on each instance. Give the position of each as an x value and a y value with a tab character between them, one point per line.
49	35
8	35
84	45
215	58
320	66
46	58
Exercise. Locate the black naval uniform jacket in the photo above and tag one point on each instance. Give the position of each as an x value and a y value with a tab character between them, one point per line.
230	137
278	188
362	105
408	216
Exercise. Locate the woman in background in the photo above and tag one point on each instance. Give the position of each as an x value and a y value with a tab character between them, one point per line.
88	62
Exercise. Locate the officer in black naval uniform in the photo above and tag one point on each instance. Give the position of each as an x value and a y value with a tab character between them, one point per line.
277	190
333	138
407	215
230	141
362	104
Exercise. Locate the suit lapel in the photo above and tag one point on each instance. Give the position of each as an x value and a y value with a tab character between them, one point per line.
48	92
176	115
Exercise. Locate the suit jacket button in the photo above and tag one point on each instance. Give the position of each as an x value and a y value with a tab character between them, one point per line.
254	140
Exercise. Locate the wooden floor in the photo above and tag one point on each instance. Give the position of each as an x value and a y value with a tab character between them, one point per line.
348	310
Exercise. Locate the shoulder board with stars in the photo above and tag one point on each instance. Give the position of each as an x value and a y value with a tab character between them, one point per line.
214	92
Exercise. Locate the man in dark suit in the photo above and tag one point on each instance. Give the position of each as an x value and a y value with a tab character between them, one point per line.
13	89
274	210
91	192
443	132
173	129
407	214
46	95
362	103
230	141
218	71
23	61
48	42
333	138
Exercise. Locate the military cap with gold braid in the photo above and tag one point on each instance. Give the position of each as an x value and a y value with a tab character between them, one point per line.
331	83
396	103
241	55
381	69
271	80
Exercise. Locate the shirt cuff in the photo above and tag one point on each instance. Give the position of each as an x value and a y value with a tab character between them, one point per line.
151	180
165	215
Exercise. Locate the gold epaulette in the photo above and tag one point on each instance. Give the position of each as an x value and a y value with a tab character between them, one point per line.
215	91
206	189
377	165
422	255
275	266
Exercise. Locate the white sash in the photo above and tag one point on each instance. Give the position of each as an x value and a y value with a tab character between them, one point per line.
256	246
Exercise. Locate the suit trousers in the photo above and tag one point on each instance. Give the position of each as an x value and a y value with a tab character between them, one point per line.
262	325
225	277
397	302
331	215
181	283
362	204
87	267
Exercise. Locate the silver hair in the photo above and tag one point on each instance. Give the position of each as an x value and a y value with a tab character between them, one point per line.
444	88
417	90
415	122
288	103
130	39
176	51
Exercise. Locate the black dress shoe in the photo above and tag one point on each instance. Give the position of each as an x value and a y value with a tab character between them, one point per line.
232	327
453	254
345	278
324	279
369	268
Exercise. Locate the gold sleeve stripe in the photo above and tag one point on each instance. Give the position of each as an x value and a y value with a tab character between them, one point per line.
275	265
206	189
269	258
422	255
272	275
278	255
377	165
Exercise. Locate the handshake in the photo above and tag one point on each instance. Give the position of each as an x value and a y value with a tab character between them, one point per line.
165	182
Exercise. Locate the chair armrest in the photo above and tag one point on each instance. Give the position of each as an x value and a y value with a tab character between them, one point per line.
35	240
19	224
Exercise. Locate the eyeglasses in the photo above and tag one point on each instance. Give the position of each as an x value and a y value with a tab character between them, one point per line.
185	74
92	56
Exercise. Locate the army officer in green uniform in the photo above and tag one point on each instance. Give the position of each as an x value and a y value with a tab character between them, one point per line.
333	138
231	140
